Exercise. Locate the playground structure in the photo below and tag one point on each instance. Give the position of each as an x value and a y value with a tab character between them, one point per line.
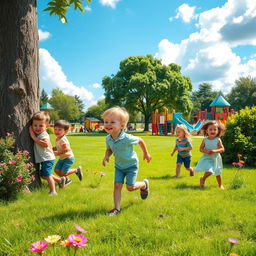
91	123
219	111
164	123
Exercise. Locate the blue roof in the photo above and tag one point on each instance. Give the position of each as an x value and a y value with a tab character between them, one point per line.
220	102
46	106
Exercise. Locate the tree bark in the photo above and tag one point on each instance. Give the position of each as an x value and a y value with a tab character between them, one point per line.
19	83
146	123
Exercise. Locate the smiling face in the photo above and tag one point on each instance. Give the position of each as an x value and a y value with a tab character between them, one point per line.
180	133
113	124
59	131
212	131
39	126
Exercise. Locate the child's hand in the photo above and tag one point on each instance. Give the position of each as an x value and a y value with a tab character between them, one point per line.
54	148
31	132
147	157
105	159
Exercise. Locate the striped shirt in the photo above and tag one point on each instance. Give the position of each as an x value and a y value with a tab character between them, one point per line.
185	143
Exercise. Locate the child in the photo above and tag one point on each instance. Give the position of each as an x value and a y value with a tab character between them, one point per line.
43	148
63	150
183	145
211	146
126	161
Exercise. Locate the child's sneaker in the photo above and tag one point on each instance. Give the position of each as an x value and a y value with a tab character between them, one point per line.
79	173
113	212
62	182
52	193
68	181
144	192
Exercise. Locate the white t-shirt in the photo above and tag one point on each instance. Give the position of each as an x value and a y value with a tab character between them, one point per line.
43	154
59	144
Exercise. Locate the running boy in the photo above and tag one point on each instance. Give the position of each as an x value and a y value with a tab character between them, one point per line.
126	161
64	151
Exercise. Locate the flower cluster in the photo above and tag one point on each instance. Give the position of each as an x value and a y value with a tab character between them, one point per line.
97	178
15	169
73	241
238	180
232	242
241	161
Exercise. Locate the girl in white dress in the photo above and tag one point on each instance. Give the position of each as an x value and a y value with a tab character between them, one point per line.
211	146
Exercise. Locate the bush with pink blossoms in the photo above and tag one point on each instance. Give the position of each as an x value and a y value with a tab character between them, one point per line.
15	169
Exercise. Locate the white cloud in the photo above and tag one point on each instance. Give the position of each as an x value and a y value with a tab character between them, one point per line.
96	85
52	76
87	8
43	35
207	55
111	3
185	12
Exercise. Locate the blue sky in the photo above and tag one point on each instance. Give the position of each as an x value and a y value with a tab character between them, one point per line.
213	41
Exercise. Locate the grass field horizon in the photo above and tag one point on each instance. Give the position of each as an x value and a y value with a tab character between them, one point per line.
178	218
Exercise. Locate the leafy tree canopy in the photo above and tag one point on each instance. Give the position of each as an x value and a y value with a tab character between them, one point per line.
143	84
243	94
60	7
203	97
65	105
43	98
96	110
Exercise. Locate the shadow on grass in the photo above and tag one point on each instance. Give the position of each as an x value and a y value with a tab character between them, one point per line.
75	215
186	186
165	177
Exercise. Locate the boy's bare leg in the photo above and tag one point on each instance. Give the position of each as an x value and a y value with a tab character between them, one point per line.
117	195
51	183
137	185
191	170
178	170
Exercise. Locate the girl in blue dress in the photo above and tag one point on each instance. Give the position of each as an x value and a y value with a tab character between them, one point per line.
211	146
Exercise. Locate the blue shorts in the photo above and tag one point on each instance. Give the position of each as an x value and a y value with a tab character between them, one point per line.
64	164
46	168
186	160
130	174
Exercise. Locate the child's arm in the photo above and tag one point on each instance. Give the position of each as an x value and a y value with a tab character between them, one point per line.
108	153
143	146
203	150
174	150
64	149
220	149
43	143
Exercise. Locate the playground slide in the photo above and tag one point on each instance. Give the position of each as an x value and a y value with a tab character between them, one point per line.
190	127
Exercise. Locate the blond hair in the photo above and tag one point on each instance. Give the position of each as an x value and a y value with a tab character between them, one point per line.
120	112
185	130
41	115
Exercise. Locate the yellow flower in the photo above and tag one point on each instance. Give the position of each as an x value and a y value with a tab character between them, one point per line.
52	239
233	254
241	161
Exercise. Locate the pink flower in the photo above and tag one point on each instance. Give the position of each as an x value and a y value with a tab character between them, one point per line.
234	163
26	152
77	240
240	164
80	230
19	178
12	162
33	177
2	164
102	174
38	246
233	241
9	134
18	156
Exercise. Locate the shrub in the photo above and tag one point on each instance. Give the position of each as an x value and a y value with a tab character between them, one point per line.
15	170
50	130
240	136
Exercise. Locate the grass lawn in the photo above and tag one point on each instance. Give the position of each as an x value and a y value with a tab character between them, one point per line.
178	218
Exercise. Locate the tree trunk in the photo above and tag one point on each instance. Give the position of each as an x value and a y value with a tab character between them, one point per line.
19	84
146	123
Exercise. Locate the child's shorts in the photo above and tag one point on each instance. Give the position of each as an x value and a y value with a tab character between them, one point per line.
46	168
130	174
64	164
186	160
